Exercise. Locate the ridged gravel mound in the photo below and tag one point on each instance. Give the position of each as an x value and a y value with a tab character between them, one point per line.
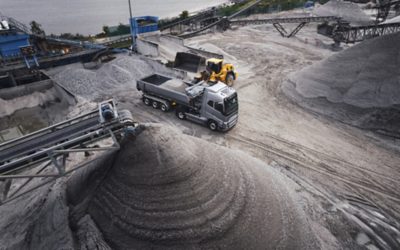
360	85
348	11
166	190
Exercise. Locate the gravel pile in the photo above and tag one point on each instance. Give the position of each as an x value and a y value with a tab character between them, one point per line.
9	107
350	12
117	75
172	191
38	220
360	84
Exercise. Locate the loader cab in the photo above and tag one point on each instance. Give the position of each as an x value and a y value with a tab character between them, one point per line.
215	65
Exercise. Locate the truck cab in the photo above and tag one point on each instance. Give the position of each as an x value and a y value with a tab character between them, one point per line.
217	108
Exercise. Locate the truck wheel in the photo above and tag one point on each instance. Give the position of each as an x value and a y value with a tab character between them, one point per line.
180	114
164	108
147	101
155	105
230	79
212	125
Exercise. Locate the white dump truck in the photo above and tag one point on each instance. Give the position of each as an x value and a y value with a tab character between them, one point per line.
215	106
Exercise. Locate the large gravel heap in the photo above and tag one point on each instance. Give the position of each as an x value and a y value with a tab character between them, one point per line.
116	76
360	84
350	12
171	191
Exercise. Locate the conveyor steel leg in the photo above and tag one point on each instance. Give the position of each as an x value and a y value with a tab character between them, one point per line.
297	29
280	28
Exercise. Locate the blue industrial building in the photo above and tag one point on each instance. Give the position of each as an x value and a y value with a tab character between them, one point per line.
143	24
11	42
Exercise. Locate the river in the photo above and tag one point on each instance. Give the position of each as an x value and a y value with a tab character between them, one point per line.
89	16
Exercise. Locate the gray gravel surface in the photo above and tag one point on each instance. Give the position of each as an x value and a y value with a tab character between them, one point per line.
172	191
349	11
359	85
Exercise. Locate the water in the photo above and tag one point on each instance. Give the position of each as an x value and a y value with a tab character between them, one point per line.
89	16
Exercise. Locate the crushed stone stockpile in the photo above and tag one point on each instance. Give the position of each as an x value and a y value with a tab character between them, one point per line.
350	12
117	75
360	85
38	220
172	191
9	107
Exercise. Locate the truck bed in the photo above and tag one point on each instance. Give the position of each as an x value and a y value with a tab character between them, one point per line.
165	87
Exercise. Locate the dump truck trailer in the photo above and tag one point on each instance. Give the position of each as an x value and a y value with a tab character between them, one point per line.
215	106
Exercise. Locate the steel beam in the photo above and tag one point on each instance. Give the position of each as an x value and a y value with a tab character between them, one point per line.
243	22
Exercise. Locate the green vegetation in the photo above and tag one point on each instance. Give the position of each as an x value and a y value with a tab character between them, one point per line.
122	45
229	10
36	28
184	14
121	29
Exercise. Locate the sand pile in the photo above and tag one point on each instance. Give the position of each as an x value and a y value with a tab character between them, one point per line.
350	12
356	84
171	191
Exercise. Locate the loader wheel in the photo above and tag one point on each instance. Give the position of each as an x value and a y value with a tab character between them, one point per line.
155	105
229	80
147	101
164	108
212	125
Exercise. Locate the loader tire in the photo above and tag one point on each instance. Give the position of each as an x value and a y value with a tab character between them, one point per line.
230	80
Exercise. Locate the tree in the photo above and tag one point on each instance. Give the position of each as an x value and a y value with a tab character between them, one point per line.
123	29
36	28
106	29
184	14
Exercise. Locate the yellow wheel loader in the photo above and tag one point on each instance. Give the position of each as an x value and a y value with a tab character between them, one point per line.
212	70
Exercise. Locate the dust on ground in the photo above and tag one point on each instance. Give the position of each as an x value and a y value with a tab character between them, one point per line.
345	179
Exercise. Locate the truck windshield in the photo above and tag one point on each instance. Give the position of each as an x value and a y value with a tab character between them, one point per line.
231	104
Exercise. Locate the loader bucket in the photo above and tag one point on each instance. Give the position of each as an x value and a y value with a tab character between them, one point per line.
189	62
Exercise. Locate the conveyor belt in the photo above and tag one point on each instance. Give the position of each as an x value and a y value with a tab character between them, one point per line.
317	19
361	33
54	144
37	143
221	21
47	130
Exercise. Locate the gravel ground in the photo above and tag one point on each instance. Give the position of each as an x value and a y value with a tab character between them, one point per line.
316	182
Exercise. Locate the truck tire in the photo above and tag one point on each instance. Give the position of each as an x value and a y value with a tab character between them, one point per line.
155	105
164	107
146	101
212	125
230	79
180	113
